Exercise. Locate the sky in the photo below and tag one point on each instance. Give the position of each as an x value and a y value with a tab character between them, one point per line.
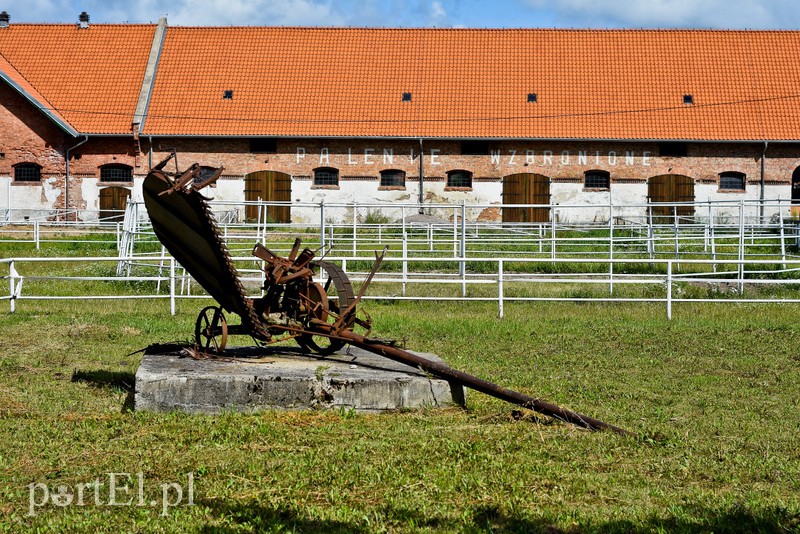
721	14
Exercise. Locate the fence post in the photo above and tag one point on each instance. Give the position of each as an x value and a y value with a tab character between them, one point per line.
610	245
553	216
669	289
500	288
651	244
405	262
463	247
783	235
675	229
322	224
712	237
455	231
355	225
36	234
741	247
13	275
172	286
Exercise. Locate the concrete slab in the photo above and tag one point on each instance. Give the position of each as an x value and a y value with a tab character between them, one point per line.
253	378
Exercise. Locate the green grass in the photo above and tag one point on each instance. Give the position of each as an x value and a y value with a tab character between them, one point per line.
712	394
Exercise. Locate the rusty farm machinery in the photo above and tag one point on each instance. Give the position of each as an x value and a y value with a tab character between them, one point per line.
320	313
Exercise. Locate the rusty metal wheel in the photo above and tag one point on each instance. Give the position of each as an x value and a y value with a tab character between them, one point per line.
318	307
211	330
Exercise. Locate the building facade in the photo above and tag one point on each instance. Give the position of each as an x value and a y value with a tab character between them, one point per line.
489	117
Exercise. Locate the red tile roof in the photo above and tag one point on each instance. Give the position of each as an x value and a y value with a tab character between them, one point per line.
606	84
91	77
343	82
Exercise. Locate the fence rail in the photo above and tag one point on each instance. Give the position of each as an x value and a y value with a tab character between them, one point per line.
172	283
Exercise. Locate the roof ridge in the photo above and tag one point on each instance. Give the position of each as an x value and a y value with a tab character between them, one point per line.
467	30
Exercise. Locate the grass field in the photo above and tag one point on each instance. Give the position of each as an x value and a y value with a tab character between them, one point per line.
713	395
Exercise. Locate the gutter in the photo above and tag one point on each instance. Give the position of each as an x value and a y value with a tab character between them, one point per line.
421	179
763	179
66	181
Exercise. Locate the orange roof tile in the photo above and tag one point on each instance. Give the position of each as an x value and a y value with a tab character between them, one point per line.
91	77
17	80
348	82
591	84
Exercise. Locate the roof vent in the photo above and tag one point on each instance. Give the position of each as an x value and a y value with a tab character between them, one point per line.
83	20
4	19
688	99
406	97
532	97
228	94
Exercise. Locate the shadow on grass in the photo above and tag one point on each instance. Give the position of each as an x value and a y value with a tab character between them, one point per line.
106	379
120	380
259	518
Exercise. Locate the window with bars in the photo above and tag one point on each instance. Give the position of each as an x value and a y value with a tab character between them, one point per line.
27	172
459	179
326	176
732	181
116	172
597	180
393	178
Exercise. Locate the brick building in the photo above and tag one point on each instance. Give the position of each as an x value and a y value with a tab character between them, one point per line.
399	115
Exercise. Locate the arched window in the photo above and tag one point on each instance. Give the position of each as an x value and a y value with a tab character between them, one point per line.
597	179
116	172
27	172
732	181
326	176
460	178
393	178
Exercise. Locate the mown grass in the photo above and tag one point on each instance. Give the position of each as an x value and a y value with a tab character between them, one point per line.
712	395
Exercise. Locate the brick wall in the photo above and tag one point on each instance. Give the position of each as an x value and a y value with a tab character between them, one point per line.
28	135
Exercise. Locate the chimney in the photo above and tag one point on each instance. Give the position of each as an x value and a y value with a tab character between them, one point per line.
4	19
83	20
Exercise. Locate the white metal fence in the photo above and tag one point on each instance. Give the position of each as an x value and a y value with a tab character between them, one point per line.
503	280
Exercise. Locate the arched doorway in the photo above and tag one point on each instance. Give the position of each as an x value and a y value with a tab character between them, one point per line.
268	186
796	191
671	188
113	201
526	188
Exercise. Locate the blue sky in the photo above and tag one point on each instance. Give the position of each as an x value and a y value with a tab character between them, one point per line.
768	14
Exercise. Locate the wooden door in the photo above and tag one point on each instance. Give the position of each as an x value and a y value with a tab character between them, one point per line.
269	186
113	201
671	188
526	188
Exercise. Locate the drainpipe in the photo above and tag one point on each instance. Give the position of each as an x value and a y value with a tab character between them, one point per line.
761	195
421	195
150	152
66	170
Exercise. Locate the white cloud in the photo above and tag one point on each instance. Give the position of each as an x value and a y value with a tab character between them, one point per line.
673	13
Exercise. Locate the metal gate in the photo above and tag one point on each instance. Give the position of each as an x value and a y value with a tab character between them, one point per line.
113	201
671	188
526	188
269	186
